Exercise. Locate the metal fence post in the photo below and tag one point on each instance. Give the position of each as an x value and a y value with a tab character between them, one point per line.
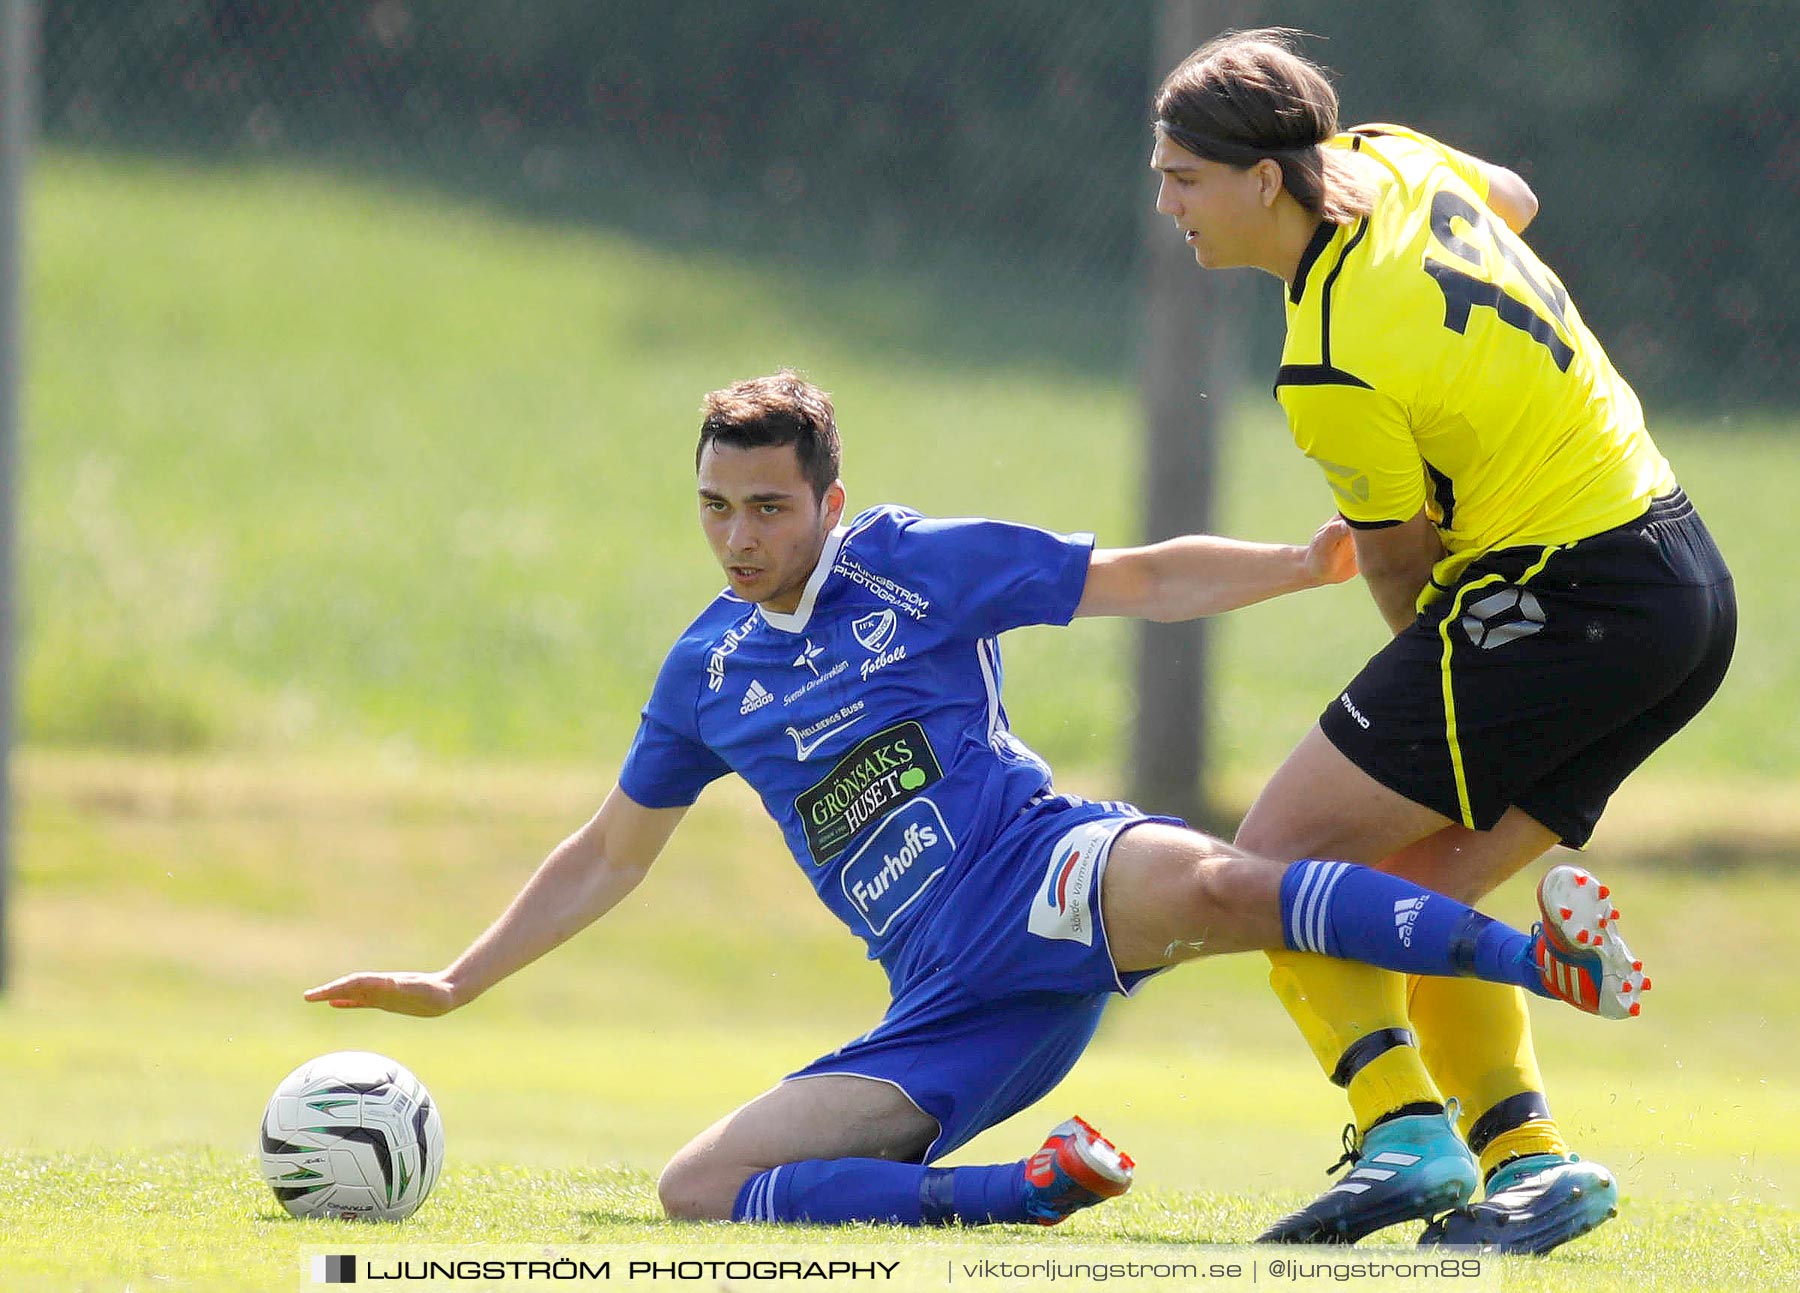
1189	366
17	44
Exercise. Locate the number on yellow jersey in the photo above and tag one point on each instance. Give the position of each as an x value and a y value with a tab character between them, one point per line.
1463	291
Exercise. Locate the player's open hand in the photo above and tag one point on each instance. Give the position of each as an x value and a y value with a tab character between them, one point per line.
403	993
1331	556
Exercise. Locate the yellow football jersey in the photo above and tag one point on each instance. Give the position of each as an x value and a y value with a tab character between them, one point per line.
1433	361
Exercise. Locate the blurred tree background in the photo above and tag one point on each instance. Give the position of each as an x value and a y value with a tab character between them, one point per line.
364	337
998	133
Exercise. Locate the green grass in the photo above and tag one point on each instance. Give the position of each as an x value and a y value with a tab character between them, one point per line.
314	465
331	488
173	909
168	1232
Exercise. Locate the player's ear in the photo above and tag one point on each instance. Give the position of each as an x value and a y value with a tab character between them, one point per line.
1268	180
833	503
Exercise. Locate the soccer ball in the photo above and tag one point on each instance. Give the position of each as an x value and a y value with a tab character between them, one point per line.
352	1135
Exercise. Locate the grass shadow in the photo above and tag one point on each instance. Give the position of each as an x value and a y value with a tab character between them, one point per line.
878	279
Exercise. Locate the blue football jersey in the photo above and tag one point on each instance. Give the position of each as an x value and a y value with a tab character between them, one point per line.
869	720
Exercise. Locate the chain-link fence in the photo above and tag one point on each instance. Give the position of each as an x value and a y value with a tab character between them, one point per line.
1661	136
876	134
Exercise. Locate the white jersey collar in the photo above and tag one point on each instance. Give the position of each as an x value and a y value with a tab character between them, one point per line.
797	621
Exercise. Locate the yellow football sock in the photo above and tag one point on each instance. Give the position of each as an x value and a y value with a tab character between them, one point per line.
1475	1039
1338	1003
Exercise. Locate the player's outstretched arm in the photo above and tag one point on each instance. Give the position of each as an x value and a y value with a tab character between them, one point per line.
1203	574
583	878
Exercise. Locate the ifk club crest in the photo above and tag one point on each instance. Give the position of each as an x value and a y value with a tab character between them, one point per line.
875	630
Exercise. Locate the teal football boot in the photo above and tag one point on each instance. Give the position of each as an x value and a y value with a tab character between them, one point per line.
1408	1168
1531	1205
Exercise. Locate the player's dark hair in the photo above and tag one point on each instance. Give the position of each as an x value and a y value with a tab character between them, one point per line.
782	408
1247	95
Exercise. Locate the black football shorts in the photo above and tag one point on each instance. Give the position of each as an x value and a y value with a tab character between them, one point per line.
1546	674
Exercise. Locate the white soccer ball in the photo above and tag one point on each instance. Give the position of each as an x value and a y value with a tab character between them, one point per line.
353	1135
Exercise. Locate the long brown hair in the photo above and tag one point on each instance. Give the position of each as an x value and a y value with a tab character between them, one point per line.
1247	95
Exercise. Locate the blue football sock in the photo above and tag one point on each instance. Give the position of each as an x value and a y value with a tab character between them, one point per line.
1361	914
840	1190
982	1195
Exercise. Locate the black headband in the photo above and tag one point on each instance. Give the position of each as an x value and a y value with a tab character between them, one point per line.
1223	150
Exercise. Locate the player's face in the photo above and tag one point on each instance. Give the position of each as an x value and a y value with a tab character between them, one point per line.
763	523
1223	212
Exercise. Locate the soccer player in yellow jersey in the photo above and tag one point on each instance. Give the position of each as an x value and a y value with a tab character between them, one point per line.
1558	608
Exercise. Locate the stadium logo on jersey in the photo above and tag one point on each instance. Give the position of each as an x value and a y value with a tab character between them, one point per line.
715	663
881	774
755	697
1063	905
875	630
886	875
1406	915
808	739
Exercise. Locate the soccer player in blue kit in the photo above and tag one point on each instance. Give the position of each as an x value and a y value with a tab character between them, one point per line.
851	675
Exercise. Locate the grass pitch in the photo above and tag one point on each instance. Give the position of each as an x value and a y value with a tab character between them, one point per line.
173	910
315	467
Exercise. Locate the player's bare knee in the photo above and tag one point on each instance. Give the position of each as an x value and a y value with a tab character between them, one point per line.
1230	899
1219	889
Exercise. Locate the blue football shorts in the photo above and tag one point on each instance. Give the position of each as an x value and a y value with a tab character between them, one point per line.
1010	978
